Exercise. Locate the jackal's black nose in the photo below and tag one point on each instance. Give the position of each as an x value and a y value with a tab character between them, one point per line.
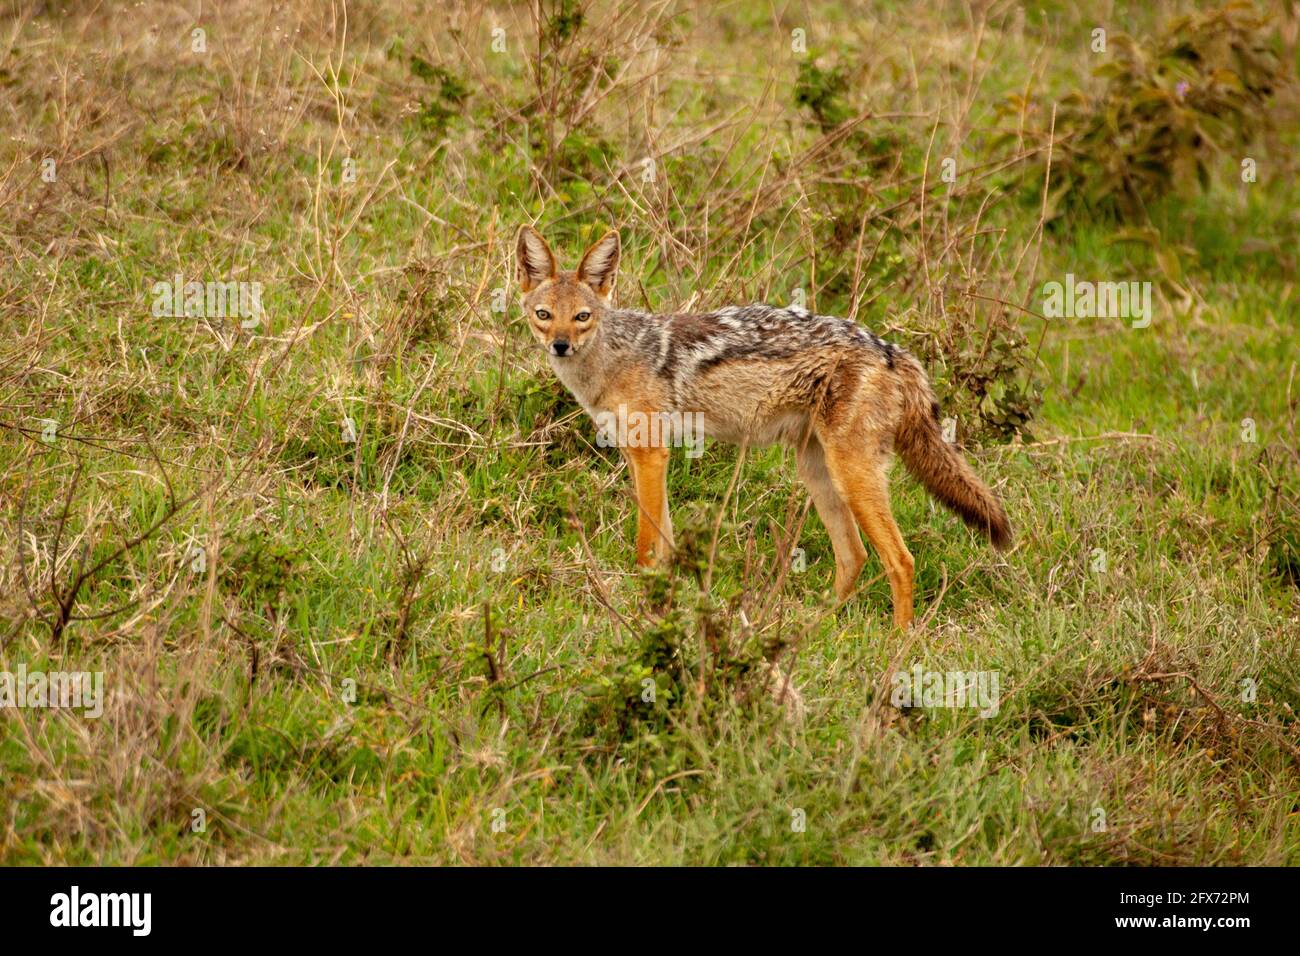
560	346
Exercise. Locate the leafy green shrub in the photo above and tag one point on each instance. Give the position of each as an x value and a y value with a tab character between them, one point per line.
443	99
980	367
260	567
562	21
690	658
1204	86
824	93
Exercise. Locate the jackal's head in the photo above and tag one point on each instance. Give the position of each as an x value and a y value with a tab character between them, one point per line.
564	309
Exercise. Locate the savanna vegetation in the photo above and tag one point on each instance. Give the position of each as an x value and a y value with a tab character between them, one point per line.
357	574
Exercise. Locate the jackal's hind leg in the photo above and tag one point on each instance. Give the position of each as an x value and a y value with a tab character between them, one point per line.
860	480
850	555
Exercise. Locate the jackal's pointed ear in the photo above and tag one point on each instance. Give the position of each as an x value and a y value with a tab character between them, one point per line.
534	261
600	263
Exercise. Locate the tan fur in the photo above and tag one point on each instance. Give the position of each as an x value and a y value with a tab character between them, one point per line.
843	398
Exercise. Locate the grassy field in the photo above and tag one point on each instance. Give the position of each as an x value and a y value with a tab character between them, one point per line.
358	577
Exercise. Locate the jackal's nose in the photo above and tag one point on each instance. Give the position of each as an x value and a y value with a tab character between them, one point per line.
560	347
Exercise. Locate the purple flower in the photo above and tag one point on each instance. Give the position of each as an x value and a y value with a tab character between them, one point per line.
1182	88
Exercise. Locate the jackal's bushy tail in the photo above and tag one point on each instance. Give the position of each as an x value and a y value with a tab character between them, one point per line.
938	465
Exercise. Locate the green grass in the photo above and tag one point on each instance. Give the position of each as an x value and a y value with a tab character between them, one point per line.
321	690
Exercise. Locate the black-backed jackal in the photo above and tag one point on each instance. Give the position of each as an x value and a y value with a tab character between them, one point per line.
843	398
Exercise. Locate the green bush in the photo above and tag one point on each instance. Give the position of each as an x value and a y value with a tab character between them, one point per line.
1168	107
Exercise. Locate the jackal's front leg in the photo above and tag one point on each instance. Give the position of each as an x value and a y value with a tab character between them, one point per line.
654	535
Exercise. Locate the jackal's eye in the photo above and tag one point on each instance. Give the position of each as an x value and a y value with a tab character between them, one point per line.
582	317
544	315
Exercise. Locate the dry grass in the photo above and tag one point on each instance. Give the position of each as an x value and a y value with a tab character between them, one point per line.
414	576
